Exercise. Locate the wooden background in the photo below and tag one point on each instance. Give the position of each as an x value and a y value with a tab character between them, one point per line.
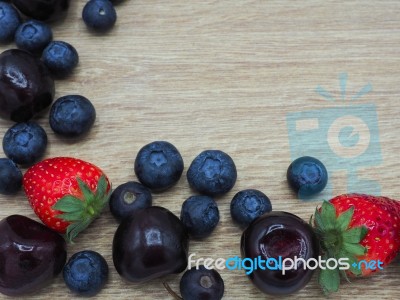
225	75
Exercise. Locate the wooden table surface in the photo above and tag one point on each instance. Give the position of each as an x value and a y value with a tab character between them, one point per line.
264	81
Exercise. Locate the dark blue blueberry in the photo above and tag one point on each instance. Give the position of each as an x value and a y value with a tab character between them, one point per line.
248	205
25	143
201	283
10	177
99	15
72	116
212	172
158	165
307	176
86	273
61	58
200	216
128	198
33	36
9	22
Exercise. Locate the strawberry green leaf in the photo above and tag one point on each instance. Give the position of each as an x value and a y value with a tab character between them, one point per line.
85	189
340	242
354	268
328	215
318	220
81	212
69	203
101	194
354	235
343	275
344	219
350	259
75	228
355	249
71	216
364	231
101	186
353	261
329	280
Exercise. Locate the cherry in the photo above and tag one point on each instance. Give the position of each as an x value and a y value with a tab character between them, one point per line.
31	255
273	237
43	10
26	86
150	243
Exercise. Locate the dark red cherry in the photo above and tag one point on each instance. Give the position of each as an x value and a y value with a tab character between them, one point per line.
43	10
26	86
270	239
31	255
150	243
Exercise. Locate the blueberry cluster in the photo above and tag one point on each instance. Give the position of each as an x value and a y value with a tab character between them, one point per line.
159	166
40	59
36	37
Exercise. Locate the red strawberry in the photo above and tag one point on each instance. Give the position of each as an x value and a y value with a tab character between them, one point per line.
358	227
66	193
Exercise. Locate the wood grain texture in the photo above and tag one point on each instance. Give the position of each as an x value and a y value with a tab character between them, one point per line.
225	75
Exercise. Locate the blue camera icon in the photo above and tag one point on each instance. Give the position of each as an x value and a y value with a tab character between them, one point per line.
345	139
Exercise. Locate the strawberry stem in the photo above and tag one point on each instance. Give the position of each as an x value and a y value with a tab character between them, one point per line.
91	210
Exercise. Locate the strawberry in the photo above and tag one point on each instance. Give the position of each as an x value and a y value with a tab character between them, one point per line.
361	228
66	193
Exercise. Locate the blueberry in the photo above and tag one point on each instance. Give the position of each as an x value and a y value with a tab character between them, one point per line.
158	165
99	15
10	177
200	216
61	58
25	143
201	283
212	172
86	273
248	205
9	22
307	176
128	198
33	36
72	116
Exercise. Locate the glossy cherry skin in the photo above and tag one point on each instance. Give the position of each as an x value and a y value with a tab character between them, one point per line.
43	10
26	86
31	255
279	234
150	243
